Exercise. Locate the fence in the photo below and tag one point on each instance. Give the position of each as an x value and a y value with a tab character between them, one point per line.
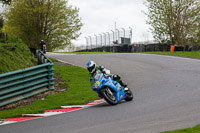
140	48
109	38
130	48
27	82
193	48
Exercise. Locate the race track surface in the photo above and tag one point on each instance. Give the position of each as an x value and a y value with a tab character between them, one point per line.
166	90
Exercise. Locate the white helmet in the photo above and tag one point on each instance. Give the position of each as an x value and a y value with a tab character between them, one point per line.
91	66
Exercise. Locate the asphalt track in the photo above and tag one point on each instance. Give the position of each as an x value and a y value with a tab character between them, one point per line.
166	90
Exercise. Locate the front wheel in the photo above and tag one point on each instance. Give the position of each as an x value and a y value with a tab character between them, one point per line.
109	96
129	95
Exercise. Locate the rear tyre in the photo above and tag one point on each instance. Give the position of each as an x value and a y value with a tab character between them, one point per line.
45	51
109	96
129	95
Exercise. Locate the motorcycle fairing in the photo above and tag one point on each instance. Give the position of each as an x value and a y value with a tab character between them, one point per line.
115	86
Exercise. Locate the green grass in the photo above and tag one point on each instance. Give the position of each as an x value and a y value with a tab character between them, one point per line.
85	52
14	55
79	91
193	54
195	129
53	60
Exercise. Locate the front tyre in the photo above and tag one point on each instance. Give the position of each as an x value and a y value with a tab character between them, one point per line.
109	96
129	95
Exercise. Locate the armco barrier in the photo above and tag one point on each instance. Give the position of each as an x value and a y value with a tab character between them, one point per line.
24	83
135	48
41	57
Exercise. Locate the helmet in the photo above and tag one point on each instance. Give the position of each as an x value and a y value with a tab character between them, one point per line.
91	66
42	40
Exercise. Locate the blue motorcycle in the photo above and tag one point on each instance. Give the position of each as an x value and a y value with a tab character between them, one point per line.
110	90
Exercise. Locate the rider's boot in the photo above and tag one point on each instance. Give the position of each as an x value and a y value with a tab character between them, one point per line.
124	86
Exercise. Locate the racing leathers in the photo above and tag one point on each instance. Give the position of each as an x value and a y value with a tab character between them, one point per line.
101	69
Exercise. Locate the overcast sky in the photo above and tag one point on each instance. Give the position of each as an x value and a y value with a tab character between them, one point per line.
100	16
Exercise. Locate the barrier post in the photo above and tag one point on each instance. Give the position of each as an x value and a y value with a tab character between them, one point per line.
172	48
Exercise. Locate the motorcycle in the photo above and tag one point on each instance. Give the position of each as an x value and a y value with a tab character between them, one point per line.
44	48
110	90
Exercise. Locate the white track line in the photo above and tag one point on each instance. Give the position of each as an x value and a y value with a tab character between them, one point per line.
76	106
45	114
6	122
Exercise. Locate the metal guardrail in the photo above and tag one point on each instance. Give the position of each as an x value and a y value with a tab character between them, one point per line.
42	57
24	83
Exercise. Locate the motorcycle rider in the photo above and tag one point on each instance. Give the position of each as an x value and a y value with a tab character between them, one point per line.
94	69
41	44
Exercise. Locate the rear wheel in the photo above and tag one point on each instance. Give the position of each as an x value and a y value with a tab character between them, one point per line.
129	95
109	96
44	50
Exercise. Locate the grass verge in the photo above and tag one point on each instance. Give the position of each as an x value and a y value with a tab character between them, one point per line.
53	60
15	55
86	52
193	54
79	91
195	129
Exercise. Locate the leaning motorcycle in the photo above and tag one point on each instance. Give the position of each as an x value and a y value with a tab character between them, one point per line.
110	90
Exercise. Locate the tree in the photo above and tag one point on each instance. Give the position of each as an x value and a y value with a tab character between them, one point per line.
1	22
6	1
54	21
173	21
